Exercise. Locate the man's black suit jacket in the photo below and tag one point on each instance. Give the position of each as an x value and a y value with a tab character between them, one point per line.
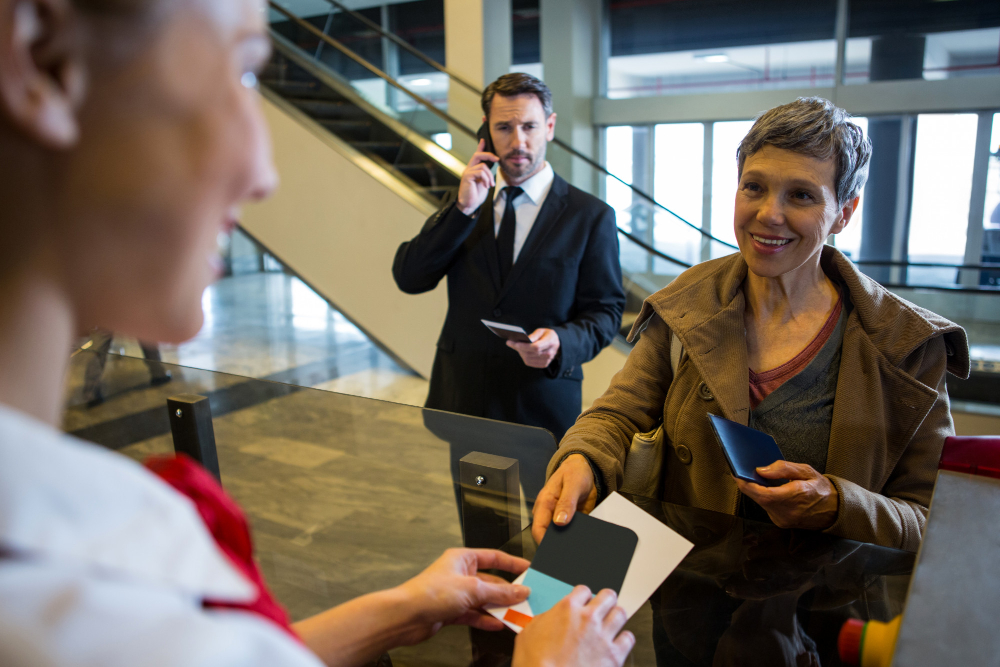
567	277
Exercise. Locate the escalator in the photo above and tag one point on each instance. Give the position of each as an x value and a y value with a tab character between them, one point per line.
337	107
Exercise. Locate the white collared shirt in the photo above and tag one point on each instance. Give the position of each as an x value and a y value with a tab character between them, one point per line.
526	207
103	563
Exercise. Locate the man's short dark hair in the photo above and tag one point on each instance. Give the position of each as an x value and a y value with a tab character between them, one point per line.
518	83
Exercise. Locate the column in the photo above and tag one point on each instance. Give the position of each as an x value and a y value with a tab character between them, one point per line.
573	56
478	44
885	234
977	199
643	219
390	59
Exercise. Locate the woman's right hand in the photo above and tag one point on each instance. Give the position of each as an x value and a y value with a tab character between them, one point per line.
581	630
570	488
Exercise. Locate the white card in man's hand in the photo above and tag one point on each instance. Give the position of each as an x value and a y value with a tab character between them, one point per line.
507	331
659	551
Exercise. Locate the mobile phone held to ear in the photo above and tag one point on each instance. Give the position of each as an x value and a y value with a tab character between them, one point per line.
484	134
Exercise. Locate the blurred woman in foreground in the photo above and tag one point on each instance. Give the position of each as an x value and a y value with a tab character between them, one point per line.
788	337
130	134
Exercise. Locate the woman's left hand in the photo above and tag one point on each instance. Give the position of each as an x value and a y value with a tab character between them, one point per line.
809	500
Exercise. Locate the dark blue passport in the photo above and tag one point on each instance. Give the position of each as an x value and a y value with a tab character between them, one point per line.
747	449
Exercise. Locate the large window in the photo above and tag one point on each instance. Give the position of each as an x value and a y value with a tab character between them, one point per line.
619	162
849	240
726	138
941	191
678	185
942	185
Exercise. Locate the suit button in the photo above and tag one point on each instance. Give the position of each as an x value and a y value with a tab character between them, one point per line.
497	313
684	454
705	392
566	374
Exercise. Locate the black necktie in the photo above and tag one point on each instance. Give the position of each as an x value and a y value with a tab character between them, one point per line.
505	239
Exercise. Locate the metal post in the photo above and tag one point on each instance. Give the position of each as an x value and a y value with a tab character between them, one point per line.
191	425
491	517
390	58
708	155
977	198
491	500
840	33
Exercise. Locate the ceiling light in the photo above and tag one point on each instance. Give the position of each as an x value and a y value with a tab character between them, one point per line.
715	58
420	82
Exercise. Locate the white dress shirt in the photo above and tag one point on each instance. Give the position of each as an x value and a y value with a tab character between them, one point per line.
526	206
103	563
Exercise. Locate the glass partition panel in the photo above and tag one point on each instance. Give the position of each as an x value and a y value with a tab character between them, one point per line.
348	495
345	495
749	593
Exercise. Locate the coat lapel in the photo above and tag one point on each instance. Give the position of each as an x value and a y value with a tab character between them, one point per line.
552	209
707	317
872	393
718	349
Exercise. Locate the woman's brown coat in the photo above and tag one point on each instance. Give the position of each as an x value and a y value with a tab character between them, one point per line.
890	416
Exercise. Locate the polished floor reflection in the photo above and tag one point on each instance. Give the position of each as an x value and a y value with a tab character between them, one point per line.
273	326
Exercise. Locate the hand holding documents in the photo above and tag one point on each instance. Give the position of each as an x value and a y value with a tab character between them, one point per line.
618	546
747	449
507	331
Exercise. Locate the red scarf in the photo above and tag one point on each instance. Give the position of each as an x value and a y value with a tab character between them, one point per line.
228	525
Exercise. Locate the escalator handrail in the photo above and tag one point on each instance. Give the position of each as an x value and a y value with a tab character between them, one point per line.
653	251
443	115
985	266
444	70
409	48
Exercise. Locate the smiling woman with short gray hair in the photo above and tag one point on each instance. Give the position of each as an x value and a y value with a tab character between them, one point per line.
789	337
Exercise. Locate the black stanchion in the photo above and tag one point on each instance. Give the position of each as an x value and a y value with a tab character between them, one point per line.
191	426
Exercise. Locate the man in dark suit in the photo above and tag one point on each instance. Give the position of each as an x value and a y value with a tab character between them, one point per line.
524	248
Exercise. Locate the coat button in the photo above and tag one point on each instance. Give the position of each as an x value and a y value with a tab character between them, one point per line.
705	392
684	454
497	312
